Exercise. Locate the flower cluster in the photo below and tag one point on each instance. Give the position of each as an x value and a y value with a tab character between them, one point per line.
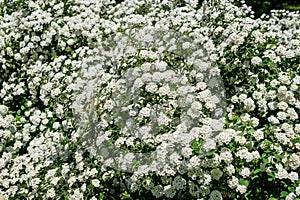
109	100
147	102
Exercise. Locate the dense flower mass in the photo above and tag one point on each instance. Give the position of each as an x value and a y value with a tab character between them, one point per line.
148	99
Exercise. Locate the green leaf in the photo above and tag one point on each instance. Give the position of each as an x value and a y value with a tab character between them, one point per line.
102	195
211	153
125	195
291	189
277	157
284	194
270	179
18	118
254	177
257	171
244	182
272	198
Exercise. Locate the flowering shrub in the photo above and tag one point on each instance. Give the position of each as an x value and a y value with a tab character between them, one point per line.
106	100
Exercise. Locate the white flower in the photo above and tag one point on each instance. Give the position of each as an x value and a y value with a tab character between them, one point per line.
243	153
234	99
245	172
164	90
183	90
257	95
255	155
159	77
186	152
209	145
203	95
161	65
258	134
132	113
3	110
240	139
151	87
35	182
230	169
55	92
55	180
291	196
282	89
292	114
245	118
294	87
50	193
249	104
226	136
207	178
147	77
297	128
65	169
282	173
138	83
281	137
293	176
186	45
255	121
194	162
273	120
242	97
201	85
256	60
96	182
145	130
272	105
241	189
298	190
282	105
284	79
281	115
196	105
59	110
226	155
145	112
109	105
56	125
233	183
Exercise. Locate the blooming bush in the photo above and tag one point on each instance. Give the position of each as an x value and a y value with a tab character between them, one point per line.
148	99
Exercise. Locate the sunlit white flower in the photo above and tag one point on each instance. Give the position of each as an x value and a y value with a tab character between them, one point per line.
256	60
241	189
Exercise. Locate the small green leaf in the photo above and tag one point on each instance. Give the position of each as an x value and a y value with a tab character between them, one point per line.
244	182
284	194
277	157
125	196
291	189
270	179
257	171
